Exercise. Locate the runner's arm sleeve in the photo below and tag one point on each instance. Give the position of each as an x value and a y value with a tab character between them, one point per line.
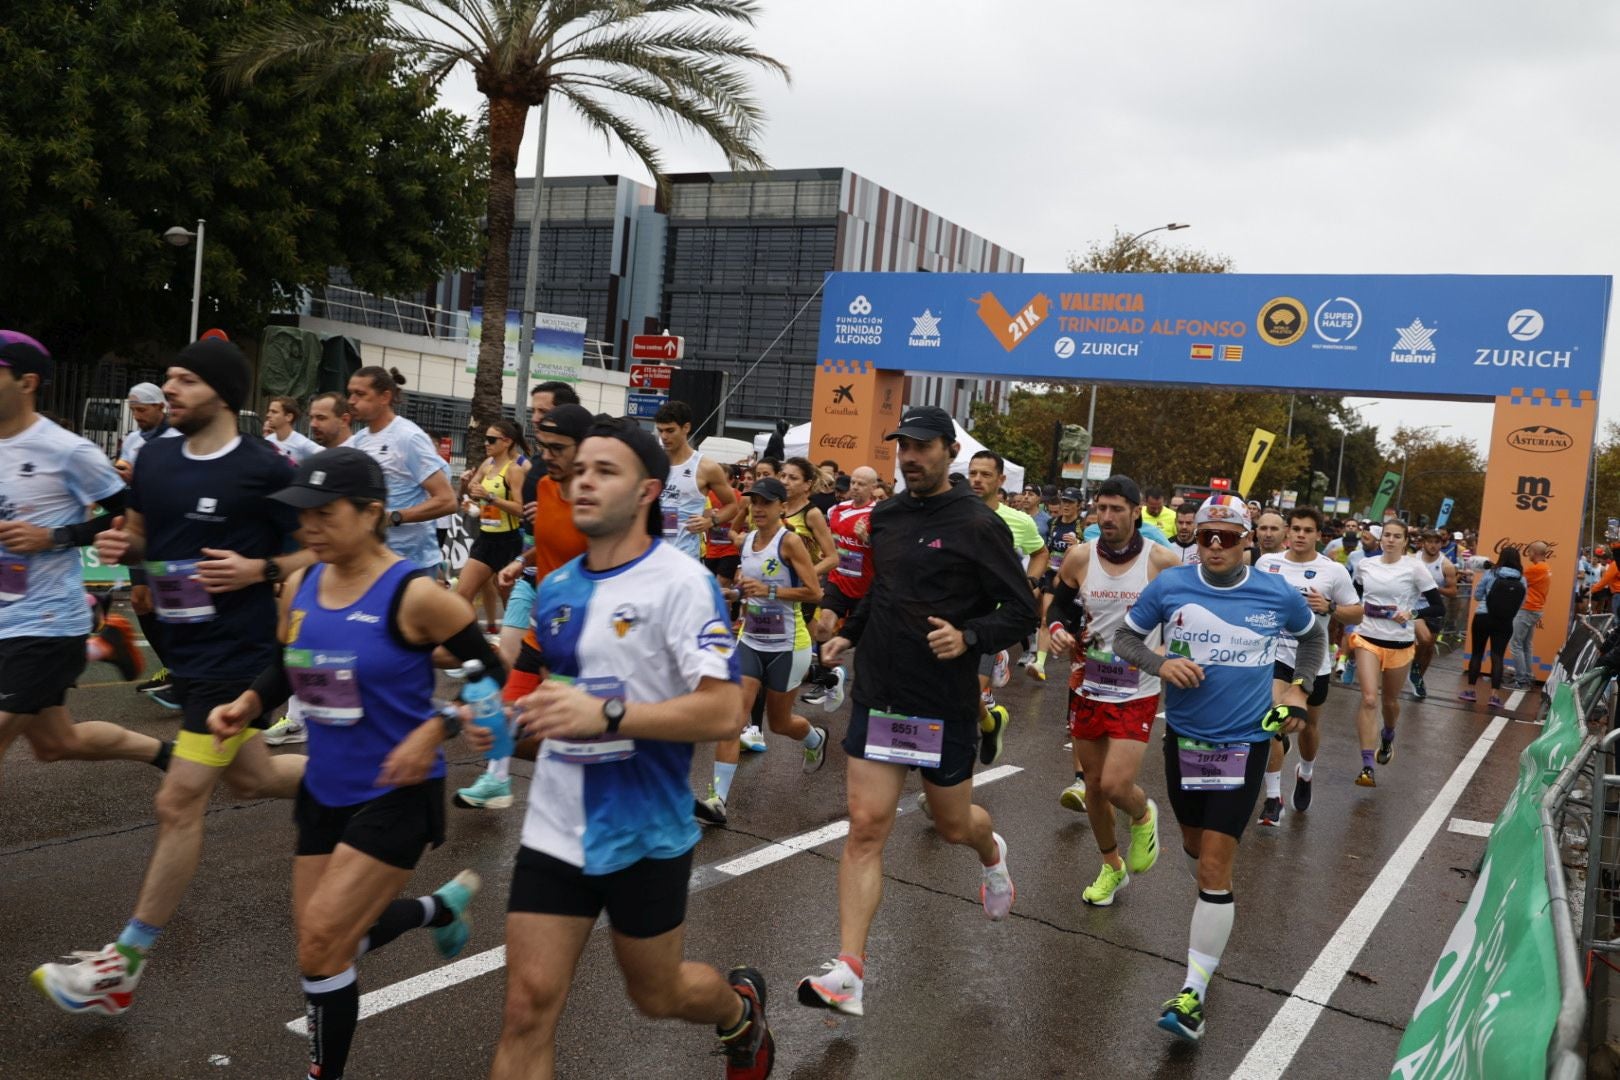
272	685
1434	606
1131	646
83	532
469	643
1313	645
855	622
1014	616
1066	608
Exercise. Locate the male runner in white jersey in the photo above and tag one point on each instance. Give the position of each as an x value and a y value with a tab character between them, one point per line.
51	478
685	501
1332	596
1185	545
279	417
1444	572
1111	703
331	421
147	408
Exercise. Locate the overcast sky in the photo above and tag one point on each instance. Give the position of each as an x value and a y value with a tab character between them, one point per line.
1375	137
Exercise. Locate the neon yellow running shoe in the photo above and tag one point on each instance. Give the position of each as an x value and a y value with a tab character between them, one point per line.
1144	842
1101	893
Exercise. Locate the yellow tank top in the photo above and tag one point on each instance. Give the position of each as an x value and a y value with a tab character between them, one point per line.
798	522
492	519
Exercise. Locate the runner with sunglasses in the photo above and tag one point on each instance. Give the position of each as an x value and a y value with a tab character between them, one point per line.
496	486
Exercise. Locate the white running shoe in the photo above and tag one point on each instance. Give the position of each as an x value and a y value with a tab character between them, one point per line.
1002	672
997	892
1074	797
837	988
95	982
286	731
835	693
753	739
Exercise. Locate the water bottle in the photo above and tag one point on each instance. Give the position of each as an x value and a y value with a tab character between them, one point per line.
481	692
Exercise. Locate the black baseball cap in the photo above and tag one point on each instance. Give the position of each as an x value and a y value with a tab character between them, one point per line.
339	473
924	422
569	421
768	488
1123	486
1070	495
648	450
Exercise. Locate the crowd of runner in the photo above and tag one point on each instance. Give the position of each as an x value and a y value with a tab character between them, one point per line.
642	600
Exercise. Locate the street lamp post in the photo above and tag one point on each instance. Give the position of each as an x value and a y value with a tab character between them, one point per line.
1338	476
1117	267
180	237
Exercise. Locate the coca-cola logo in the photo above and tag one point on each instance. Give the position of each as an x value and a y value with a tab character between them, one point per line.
1540	439
839	442
1504	543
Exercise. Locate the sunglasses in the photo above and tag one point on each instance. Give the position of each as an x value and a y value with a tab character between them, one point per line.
494	438
1218	537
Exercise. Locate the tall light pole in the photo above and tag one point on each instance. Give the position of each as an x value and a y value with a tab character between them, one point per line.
532	271
1338	477
180	237
1117	267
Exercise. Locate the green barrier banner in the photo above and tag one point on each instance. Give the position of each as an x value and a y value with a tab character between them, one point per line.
1492	1000
97	574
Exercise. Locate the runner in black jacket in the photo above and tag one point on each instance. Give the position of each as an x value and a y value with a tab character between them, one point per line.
947	588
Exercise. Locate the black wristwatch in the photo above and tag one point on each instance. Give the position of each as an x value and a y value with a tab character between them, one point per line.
970	639
272	572
62	537
395	518
613	710
450	718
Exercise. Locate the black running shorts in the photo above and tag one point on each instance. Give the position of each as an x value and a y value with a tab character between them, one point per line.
956	758
496	549
1225	812
643	900
395	827
37	672
836	601
1318	691
723	566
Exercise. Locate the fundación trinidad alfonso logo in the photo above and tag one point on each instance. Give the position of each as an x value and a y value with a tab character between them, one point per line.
1011	329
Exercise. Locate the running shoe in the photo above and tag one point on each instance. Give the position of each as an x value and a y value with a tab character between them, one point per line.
815	759
1144	842
990	740
120	639
837	988
1339	664
753	739
1347	674
1272	812
1002	671
1468	696
834	695
486	793
1074	796
1302	792
710	810
95	982
1036	671
286	731
457	895
996	892
455	673
1366	779
1184	1015
1386	750
814	695
1418	689
922	805
751	1051
1101	893
158	681
1495	702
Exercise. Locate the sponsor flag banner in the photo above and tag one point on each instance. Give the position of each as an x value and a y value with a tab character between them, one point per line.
1260	444
1444	515
1387	487
1540	451
559	345
853	406
1100	463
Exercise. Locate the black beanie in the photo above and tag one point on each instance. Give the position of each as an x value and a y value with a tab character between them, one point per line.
222	366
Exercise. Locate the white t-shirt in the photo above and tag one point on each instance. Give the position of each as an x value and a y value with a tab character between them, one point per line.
1387	588
138	438
295	447
1322	575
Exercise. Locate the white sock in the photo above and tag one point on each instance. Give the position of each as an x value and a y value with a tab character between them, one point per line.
1274	784
295	710
723	772
1211	927
1306	769
501	769
813	740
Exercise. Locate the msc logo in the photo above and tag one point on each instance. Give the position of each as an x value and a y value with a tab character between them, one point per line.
1533	493
1282	321
1540	439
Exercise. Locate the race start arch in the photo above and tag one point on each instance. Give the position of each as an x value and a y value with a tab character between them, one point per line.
1531	345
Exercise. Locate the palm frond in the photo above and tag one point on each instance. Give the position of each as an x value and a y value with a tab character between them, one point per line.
614	126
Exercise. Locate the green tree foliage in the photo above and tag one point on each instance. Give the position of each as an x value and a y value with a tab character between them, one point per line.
1605	495
114	127
1437	468
610	61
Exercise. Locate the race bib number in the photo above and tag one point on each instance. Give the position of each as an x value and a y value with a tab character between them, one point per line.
720	534
672	524
603	748
762	620
325	685
177	594
904	740
851	563
1210	767
1110	673
1381	611
13	579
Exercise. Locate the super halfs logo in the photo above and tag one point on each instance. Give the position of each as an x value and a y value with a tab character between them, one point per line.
1011	329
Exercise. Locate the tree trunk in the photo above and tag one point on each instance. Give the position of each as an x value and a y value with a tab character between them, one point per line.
507	117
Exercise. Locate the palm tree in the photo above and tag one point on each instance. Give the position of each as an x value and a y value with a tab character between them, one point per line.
684	61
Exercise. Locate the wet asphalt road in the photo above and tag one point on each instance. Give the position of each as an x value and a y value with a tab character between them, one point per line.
1056	990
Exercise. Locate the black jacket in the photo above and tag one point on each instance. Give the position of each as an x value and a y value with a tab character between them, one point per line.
948	556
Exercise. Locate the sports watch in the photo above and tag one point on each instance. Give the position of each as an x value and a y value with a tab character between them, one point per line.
395	518
613	710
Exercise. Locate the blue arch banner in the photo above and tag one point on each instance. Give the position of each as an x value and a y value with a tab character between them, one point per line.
1433	336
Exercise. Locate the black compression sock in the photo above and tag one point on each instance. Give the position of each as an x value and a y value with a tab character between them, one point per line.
333	1012
165	751
398	917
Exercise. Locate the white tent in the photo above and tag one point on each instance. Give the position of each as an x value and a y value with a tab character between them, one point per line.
797	444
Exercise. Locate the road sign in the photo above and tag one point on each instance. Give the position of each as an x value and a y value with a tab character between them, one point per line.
657	347
645	406
1220	483
645	377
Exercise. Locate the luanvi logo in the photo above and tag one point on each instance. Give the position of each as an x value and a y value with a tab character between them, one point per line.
1540	439
1532	493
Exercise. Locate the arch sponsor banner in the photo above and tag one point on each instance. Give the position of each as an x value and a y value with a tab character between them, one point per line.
1440	336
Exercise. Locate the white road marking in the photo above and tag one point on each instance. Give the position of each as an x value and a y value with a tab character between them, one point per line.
1269	1057
1469	828
442	978
1513	700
